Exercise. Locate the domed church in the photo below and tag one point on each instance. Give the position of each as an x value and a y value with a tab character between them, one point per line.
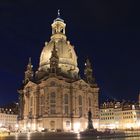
55	97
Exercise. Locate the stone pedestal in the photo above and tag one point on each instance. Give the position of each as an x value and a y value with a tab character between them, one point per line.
90	125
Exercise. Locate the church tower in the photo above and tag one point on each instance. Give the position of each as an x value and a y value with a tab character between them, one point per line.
88	72
56	98
29	72
54	61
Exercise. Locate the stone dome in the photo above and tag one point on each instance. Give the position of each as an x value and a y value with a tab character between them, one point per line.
66	52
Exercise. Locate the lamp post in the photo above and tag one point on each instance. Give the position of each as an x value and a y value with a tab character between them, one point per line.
29	126
16	127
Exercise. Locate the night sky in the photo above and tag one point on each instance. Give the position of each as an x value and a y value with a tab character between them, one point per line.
105	31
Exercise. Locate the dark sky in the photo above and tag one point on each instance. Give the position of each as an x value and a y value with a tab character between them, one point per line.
106	31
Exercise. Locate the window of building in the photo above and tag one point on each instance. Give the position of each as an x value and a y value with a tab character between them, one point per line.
80	100
67	123
41	100
80	111
66	98
31	101
41	103
89	101
52	103
52	97
52	110
30	113
66	109
61	30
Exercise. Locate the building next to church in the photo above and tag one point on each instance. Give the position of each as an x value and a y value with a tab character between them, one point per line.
8	119
55	97
120	115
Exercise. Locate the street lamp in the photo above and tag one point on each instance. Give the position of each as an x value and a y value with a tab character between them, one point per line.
16	126
76	126
29	126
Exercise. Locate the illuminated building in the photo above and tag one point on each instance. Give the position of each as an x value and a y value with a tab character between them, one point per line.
55	97
8	119
119	115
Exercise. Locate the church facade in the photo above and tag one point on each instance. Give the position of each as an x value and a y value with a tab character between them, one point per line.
55	97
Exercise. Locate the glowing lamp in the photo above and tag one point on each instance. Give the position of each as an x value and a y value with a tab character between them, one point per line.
76	126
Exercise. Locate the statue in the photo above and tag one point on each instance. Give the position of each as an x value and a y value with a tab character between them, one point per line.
90	125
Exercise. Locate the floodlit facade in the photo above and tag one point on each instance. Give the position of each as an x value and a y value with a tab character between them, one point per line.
55	97
119	115
8	119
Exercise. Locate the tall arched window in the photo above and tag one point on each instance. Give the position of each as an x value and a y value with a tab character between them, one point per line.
80	105
31	106
66	109
80	100
66	101
66	98
89	102
52	97
53	103
31	101
41	104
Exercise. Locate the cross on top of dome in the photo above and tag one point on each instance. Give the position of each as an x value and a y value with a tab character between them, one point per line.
58	16
58	13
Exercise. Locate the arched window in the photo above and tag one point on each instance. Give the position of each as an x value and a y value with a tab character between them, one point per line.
66	109
80	105
42	100
89	102
80	111
52	109
41	105
66	98
31	101
52	103
52	97
31	106
80	100
66	101
61	31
